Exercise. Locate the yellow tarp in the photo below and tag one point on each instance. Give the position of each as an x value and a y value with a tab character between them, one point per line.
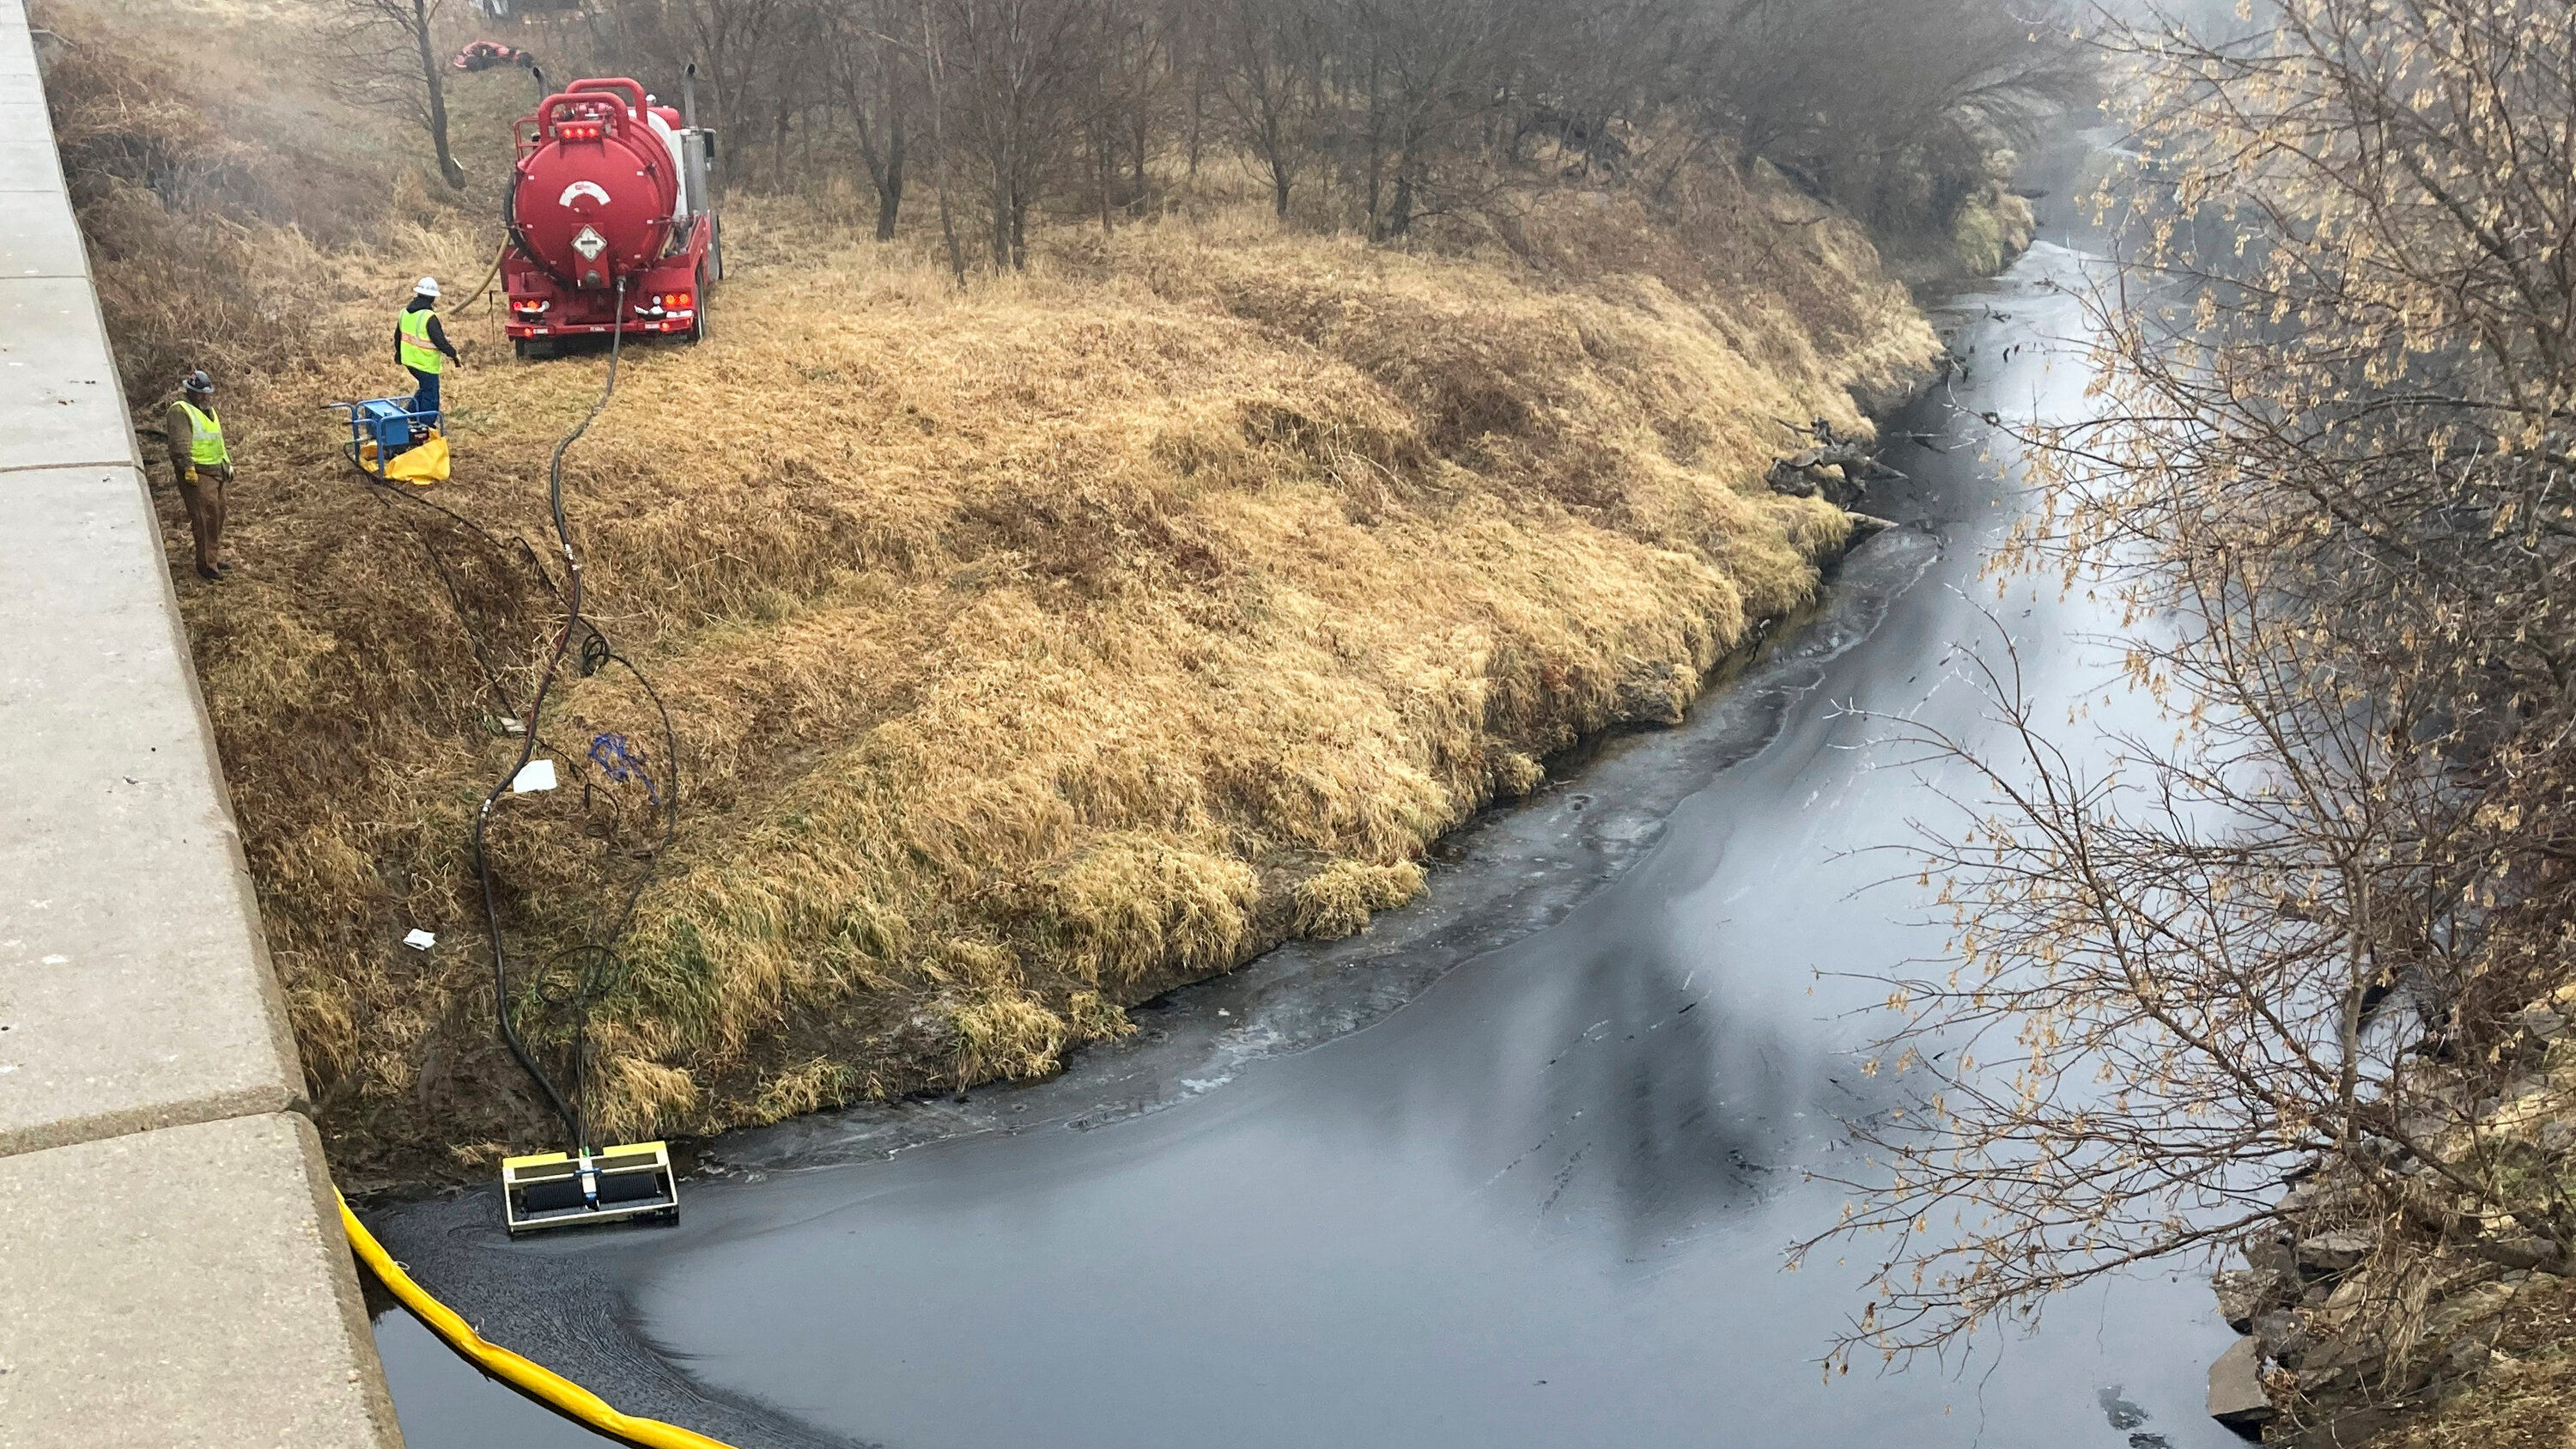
423	465
420	465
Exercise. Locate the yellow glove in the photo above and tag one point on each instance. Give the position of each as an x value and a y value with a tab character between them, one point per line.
189	476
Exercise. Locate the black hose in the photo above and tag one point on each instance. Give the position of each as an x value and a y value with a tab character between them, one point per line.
600	975
519	239
506	706
603	968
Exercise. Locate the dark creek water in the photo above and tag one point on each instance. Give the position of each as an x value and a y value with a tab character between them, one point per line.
1515	1168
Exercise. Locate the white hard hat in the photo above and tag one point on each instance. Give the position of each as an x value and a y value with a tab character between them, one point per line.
425	287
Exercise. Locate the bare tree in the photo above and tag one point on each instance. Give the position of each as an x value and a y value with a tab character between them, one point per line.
1888	106
876	74
1267	62
738	43
935	69
794	73
1011	66
2321	938
1412	79
384	52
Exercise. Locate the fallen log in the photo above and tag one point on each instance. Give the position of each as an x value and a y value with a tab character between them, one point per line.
1837	468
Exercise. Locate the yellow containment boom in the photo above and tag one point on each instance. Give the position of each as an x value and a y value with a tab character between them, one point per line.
562	1394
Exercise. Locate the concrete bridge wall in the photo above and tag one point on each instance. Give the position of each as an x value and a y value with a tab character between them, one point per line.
172	1269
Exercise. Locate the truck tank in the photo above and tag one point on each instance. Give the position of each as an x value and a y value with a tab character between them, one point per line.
602	192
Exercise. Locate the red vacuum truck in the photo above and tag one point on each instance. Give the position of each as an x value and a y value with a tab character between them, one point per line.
609	187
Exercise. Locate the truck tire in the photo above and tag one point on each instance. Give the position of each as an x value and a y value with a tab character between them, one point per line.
698	324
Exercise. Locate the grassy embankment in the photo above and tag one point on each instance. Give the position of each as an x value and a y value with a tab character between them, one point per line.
1033	649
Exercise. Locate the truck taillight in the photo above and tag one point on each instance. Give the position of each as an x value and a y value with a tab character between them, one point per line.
590	132
674	299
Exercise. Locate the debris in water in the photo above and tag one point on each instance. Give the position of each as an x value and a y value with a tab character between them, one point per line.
2122	1413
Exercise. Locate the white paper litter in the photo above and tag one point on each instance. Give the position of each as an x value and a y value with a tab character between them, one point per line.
420	940
534	776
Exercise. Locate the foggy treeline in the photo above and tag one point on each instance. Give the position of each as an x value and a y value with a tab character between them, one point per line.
1375	115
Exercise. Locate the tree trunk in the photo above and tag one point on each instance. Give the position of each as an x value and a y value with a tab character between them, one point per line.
1274	151
1101	168
939	143
1001	224
1376	147
890	185
1399	218
448	169
1198	90
885	168
1144	184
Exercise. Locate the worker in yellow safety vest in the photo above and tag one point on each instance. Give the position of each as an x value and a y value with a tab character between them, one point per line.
420	345
203	466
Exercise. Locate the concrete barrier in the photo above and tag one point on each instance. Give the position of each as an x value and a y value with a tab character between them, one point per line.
171	1265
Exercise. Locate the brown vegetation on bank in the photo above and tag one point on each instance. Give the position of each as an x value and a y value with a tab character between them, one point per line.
1032	648
2523	1397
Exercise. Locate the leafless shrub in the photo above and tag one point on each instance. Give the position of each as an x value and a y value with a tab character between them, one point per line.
2323	934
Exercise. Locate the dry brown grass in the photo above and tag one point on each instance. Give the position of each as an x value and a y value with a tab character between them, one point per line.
223	188
1033	650
2524	1394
